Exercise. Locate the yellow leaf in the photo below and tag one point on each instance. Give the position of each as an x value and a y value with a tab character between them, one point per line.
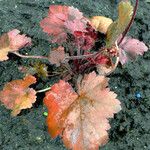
125	11
101	23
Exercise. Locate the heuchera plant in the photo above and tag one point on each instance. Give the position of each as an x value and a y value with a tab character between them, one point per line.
89	49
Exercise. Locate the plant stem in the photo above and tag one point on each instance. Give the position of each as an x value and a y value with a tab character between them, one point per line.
43	90
25	56
80	57
130	23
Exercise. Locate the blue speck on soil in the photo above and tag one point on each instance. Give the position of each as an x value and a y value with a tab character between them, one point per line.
138	95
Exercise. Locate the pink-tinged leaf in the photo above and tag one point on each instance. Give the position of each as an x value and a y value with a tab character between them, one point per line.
131	48
57	55
53	24
18	41
16	95
81	118
12	41
62	20
75	13
76	21
76	25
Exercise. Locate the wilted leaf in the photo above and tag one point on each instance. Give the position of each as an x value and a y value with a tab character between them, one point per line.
57	55
12	41
81	118
101	23
16	95
125	11
130	48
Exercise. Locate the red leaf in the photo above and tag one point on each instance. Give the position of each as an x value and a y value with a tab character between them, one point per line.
16	95
81	118
131	47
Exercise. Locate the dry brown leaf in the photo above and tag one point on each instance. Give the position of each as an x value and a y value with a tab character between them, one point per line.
16	95
101	23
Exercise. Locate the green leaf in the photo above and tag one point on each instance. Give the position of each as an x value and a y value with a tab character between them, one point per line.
125	11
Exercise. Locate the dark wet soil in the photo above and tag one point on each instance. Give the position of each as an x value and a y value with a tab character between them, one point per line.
130	127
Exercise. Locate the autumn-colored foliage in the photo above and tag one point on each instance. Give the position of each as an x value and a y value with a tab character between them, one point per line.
81	103
129	48
62	20
18	41
81	118
101	23
125	10
57	55
12	41
16	95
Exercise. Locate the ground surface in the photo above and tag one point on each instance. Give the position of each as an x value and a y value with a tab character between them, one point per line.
130	128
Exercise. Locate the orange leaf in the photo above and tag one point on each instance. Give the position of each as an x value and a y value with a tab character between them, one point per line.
16	95
81	119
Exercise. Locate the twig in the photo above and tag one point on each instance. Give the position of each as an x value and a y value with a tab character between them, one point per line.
130	23
31	56
43	90
80	57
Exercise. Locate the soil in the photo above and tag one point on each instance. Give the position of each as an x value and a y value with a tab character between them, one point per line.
130	128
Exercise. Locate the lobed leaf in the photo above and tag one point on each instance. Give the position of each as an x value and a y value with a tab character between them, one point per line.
12	41
125	11
57	55
101	23
130	48
81	118
62	20
16	95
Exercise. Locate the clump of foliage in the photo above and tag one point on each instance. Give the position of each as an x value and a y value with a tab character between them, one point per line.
88	49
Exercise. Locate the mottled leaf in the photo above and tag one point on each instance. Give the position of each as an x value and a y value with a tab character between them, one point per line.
16	95
81	118
12	41
62	20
